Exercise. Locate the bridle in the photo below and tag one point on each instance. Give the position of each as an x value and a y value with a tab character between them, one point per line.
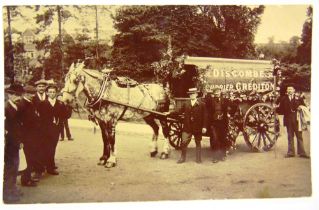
91	101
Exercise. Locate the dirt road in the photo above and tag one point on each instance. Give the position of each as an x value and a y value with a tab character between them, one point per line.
137	177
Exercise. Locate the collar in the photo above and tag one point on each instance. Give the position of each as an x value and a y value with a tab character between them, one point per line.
194	102
13	104
52	101
41	97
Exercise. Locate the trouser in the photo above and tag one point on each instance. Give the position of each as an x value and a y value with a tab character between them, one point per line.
29	157
218	135
186	137
11	167
65	124
38	151
292	130
50	147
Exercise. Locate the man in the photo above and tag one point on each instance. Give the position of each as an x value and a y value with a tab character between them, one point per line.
289	105
29	141
217	108
13	135
195	122
50	115
39	97
64	124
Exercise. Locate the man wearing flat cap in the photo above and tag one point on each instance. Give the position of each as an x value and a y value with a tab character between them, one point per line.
39	97
13	136
195	124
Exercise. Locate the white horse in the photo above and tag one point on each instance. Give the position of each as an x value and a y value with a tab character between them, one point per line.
106	105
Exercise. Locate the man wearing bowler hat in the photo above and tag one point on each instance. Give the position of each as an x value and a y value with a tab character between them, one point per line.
218	108
13	136
195	123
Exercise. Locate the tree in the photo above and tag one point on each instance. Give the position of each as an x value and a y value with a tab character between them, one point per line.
304	51
144	31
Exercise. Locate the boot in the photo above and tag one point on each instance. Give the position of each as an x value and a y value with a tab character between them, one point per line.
183	156
198	155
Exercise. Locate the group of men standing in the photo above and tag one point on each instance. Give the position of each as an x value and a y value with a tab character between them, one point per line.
205	116
210	116
36	123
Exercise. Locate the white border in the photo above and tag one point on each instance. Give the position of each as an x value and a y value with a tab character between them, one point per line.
291	204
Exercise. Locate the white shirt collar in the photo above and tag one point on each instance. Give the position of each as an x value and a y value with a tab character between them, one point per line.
193	102
52	101
41	97
13	104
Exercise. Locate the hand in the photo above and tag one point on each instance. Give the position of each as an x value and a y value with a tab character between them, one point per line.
166	113
204	130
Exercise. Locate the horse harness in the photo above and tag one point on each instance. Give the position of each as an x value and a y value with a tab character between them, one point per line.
98	101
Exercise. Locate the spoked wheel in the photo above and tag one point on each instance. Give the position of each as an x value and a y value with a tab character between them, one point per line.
260	128
175	134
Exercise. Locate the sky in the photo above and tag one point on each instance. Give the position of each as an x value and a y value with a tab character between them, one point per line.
280	22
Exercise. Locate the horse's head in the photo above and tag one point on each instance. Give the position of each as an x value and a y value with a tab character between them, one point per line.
74	83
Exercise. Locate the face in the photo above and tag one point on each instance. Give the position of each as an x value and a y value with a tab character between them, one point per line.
52	93
40	88
290	90
217	94
193	96
14	97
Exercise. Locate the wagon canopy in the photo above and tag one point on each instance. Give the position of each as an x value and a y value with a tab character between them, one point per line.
235	74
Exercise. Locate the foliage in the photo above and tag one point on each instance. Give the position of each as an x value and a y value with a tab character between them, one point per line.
304	50
215	31
297	75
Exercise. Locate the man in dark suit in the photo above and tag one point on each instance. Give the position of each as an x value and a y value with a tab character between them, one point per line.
195	123
13	136
51	114
29	141
38	154
217	108
289	105
64	124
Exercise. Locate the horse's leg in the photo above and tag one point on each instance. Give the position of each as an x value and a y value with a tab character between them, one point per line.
111	162
166	145
151	122
104	156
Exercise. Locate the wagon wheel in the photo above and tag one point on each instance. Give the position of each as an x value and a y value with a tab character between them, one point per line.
175	134
260	127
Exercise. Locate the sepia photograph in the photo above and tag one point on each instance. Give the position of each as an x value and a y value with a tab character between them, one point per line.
107	103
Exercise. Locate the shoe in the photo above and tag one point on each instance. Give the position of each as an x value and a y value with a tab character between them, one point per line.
289	156
28	183
304	156
70	139
181	160
215	161
34	179
53	172
37	176
62	139
55	167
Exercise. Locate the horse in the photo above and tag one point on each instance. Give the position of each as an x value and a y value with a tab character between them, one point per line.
106	105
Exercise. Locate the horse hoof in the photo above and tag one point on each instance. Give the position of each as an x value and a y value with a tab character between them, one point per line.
110	165
153	154
164	156
101	163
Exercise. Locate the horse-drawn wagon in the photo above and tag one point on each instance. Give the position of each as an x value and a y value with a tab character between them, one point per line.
108	101
250	84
